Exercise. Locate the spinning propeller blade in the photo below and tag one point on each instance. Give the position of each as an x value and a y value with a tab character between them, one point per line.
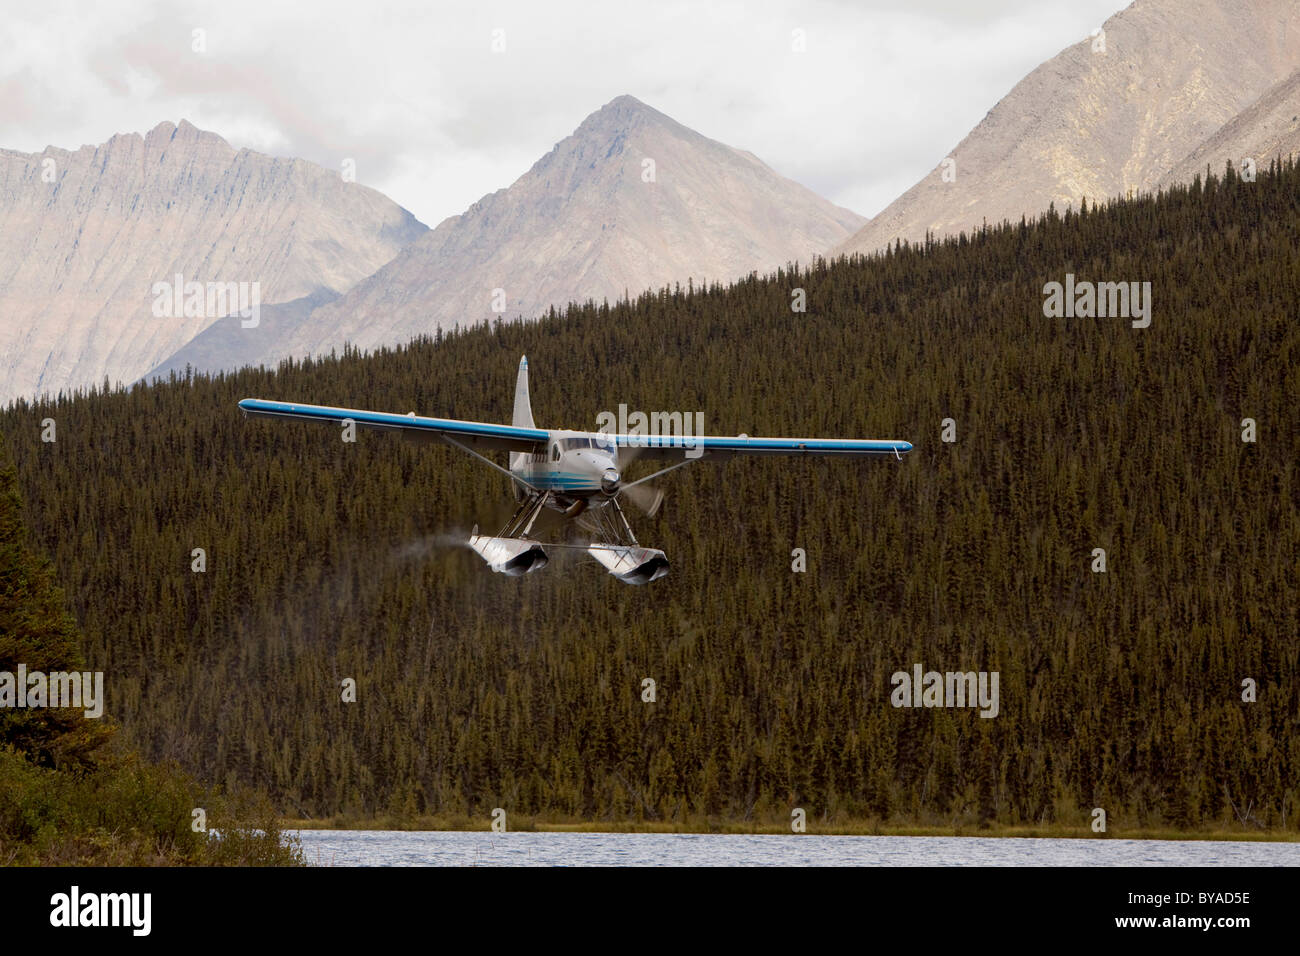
645	497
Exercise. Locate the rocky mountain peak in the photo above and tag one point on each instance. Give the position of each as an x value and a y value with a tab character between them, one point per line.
1108	115
631	200
87	236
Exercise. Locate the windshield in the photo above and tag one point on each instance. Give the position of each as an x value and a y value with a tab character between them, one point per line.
599	443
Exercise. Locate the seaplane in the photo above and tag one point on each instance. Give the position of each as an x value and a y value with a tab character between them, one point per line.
576	473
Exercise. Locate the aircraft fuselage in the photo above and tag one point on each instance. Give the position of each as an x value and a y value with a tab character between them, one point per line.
573	465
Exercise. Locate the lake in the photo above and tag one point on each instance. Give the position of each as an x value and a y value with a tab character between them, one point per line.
483	848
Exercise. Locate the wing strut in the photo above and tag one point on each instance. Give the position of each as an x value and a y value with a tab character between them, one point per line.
661	471
509	474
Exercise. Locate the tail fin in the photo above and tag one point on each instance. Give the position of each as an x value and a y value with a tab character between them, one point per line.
523	408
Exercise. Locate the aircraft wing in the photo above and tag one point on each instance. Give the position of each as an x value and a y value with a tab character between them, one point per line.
686	446
480	435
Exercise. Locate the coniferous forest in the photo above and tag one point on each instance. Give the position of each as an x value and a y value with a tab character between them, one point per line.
1127	689
71	792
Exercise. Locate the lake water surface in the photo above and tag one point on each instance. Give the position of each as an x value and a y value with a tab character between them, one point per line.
483	848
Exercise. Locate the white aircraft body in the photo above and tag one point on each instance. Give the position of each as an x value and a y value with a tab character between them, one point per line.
575	472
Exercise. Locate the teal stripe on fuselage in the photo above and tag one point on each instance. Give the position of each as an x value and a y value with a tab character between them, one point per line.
556	475
551	479
560	480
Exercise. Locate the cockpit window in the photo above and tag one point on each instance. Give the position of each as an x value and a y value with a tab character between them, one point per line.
599	443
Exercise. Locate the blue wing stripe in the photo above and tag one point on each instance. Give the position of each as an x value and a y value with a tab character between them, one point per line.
446	425
884	447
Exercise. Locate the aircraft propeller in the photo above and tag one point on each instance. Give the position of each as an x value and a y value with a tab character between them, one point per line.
647	498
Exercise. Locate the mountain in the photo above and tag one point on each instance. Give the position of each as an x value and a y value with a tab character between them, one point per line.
1101	124
85	235
632	200
1267	129
226	345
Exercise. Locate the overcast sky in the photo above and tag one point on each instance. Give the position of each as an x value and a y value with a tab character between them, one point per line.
433	117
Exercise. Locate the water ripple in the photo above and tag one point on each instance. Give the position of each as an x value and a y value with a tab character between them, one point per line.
469	848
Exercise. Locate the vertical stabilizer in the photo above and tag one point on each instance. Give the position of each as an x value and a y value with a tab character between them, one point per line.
523	408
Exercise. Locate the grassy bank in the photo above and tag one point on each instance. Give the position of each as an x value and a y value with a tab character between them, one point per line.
125	811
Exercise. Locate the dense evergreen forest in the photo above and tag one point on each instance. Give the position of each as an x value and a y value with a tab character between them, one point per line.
71	792
1121	690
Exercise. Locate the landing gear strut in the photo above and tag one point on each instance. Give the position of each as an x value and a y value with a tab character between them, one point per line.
512	552
625	559
521	522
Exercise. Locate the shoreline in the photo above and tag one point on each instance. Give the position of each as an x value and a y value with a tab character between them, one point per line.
523	824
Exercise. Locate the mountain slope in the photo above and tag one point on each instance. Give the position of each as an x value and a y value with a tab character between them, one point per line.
85	235
584	222
1097	125
1269	128
328	559
227	345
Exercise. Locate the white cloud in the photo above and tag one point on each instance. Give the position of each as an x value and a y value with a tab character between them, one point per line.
414	94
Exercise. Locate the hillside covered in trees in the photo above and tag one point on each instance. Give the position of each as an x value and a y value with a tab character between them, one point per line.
70	793
1121	690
